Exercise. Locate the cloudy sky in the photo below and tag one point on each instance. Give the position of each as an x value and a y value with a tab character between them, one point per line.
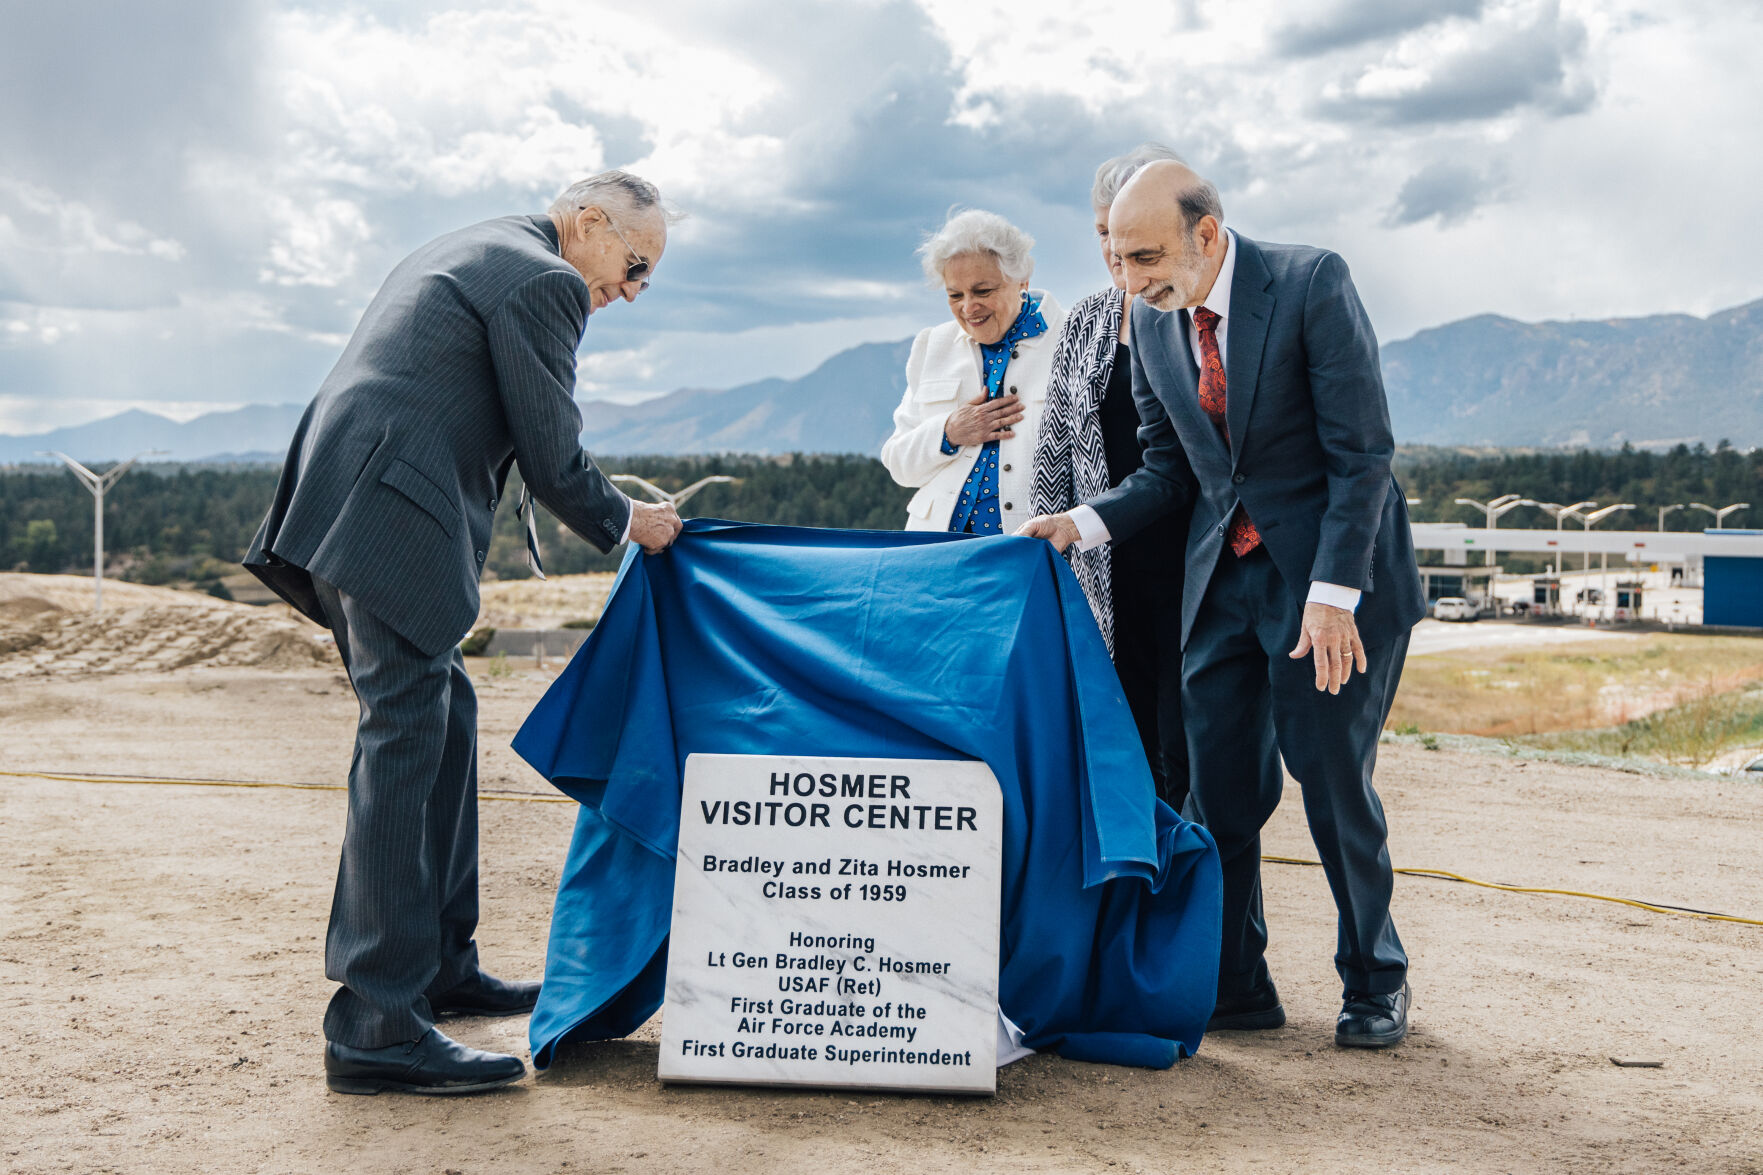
197	197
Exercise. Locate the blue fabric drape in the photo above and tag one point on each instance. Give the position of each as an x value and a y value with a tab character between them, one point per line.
748	639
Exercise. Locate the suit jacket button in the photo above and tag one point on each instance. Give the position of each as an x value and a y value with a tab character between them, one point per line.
1013	355
1009	505
1012	389
1006	468
1240	478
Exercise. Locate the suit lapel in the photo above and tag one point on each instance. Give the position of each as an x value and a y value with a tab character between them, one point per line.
1251	309
1183	402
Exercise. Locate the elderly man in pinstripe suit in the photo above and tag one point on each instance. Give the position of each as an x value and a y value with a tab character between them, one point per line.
462	365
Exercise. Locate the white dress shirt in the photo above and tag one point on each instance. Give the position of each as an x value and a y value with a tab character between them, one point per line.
1092	532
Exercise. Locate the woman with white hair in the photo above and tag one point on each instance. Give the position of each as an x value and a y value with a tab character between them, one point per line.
964	433
1088	443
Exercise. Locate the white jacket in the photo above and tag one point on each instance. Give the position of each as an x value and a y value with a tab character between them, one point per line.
943	373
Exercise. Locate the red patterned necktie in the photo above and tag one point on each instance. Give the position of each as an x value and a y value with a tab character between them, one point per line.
1243	536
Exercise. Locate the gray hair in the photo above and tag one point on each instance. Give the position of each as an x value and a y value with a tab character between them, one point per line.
615	191
976	231
1198	199
1112	175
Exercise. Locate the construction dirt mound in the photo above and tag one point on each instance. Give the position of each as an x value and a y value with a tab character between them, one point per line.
47	628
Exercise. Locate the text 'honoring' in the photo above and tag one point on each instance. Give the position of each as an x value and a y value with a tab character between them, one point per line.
835	923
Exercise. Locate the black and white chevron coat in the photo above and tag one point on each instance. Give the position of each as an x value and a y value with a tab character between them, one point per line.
1070	464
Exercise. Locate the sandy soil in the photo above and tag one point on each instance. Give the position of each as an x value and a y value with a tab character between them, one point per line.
1438	636
546	603
48	628
162	983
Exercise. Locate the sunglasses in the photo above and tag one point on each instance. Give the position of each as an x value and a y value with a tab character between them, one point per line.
638	270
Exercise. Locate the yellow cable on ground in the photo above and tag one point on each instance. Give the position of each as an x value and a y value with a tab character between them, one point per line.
530	798
1447	875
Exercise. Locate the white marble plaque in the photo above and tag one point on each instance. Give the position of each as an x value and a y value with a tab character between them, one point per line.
835	923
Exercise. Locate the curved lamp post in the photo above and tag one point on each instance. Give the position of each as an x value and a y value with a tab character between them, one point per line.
1720	514
679	499
1560	514
1493	509
98	484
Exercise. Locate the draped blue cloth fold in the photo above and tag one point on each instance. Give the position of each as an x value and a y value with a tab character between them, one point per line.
746	639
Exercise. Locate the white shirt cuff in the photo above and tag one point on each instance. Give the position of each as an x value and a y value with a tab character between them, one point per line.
630	515
1091	531
1334	595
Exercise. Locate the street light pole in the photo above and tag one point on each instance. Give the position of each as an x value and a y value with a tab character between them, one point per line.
1589	521
1664	510
1573	511
98	484
1720	514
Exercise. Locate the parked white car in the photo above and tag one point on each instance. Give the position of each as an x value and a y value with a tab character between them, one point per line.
1454	608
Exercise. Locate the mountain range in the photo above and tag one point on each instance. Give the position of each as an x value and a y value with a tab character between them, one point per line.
1651	381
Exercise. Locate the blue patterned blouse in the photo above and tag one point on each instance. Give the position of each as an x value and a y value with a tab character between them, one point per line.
976	511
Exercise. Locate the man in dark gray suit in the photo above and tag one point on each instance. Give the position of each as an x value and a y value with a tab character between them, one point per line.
1257	381
462	365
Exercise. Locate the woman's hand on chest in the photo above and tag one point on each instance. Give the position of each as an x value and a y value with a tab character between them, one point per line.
980	420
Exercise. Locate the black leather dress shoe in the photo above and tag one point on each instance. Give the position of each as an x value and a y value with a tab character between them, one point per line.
485	995
432	1064
1372	1021
1253	1012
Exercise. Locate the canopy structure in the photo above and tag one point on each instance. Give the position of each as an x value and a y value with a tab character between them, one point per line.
745	639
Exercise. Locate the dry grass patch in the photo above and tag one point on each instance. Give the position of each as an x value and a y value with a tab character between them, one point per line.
1690	735
1513	693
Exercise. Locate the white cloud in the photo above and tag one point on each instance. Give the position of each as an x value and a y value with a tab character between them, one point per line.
1606	168
35	325
315	243
507	98
1540	159
33	217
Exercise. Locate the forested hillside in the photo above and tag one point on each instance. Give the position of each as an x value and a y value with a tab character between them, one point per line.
189	524
1680	475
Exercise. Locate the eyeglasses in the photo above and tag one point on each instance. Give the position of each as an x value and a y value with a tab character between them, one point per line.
638	270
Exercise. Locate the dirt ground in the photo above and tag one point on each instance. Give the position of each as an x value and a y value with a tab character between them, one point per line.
544	603
161	980
48	629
